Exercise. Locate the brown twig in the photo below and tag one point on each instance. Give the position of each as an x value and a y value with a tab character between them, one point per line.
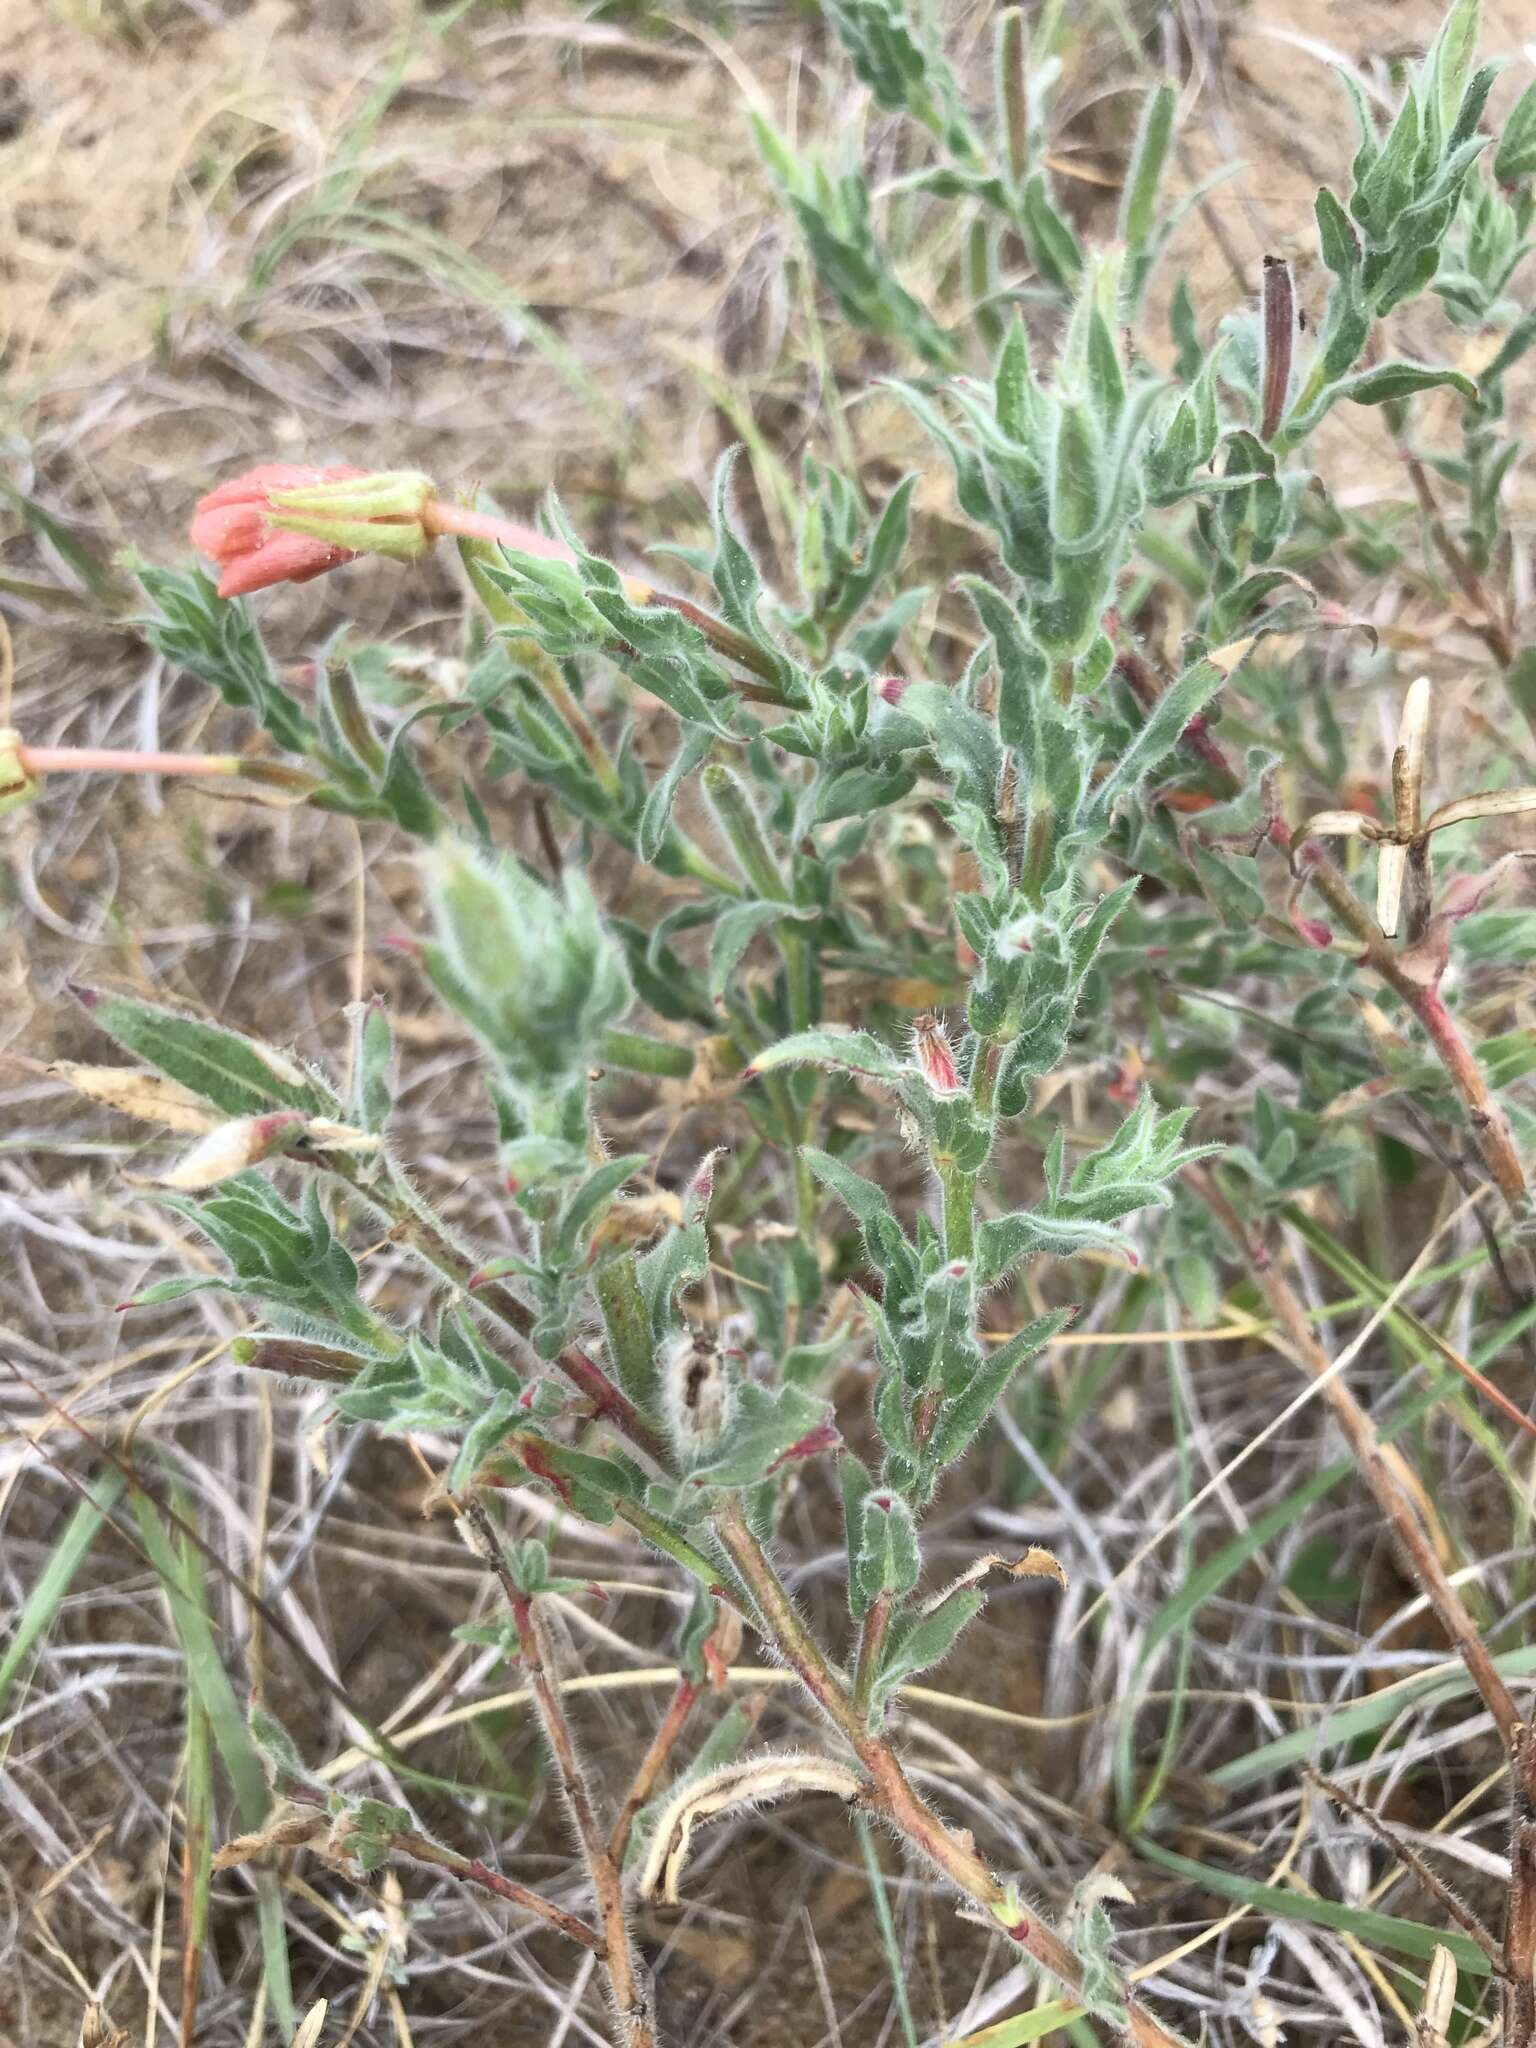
1424	1567
1414	1544
1487	625
1490	1126
315	1827
1409	1857
627	1978
470	1870
1520	1926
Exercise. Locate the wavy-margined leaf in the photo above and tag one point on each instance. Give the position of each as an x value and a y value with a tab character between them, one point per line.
764	1425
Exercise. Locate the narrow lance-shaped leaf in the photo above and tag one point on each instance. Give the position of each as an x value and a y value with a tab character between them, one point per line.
232	1072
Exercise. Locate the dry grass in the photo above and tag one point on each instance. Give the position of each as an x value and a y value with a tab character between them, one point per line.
523	248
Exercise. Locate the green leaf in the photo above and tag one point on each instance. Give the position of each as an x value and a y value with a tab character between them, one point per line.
234	1073
735	929
1053	248
961	1418
765	1423
847	1052
179	1572
919	1641
855	1483
1450	60
216	640
1387	381
656	817
680	1260
1162	730
372	1068
889	1560
1154	138
1339	243
1515	157
586	1202
863	1200
631	1344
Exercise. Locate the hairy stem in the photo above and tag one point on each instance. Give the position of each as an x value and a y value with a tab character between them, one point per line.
470	1870
489	529
412	1225
1490	1126
652	1764
626	1975
891	1792
871	1643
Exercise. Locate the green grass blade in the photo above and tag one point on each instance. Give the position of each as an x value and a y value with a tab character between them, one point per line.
183	1588
47	1596
196	1861
1023	2027
1379	1930
1363	1717
887	1926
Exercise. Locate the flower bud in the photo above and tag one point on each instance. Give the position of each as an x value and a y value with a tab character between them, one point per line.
935	1058
286	522
536	974
233	1147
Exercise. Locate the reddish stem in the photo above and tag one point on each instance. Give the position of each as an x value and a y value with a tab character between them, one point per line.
1490	1126
951	1851
652	1764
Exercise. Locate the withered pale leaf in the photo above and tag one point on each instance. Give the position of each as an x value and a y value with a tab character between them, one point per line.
732	1789
149	1097
1391	871
232	1147
1342	825
1492	803
1408	761
1036	1563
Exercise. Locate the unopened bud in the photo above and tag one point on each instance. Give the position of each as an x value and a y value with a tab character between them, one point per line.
1312	929
233	1147
286	523
700	1190
935	1058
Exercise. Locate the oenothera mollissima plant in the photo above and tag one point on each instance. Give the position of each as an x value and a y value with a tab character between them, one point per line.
1056	817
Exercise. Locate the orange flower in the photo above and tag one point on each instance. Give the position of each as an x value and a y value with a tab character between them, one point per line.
235	526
